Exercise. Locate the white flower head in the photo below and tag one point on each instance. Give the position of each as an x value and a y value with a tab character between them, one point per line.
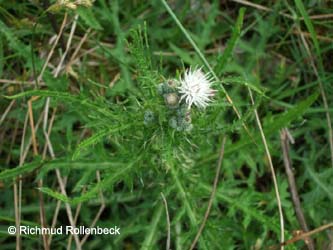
195	88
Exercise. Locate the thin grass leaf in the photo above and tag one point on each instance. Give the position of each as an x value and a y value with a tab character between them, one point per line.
221	61
309	25
89	18
246	83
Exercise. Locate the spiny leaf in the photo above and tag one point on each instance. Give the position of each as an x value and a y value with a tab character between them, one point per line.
15	44
247	210
277	122
283	120
99	136
106	183
321	184
19	170
139	48
80	165
54	194
83	101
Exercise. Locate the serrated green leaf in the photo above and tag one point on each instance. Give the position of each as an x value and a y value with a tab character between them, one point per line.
81	100
19	170
99	136
54	194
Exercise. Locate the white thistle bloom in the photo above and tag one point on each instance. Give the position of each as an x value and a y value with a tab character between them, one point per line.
195	88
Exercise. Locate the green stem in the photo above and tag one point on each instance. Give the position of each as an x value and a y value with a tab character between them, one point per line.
150	237
188	207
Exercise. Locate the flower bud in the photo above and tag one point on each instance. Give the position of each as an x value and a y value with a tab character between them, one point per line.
171	99
149	117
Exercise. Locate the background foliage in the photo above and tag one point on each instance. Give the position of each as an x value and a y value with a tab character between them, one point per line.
114	165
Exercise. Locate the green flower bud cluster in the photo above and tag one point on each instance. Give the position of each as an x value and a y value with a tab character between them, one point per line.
170	86
170	94
181	118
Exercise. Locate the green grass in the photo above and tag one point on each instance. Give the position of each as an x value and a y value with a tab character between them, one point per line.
106	144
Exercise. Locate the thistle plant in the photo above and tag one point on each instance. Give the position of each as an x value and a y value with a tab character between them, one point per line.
193	89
